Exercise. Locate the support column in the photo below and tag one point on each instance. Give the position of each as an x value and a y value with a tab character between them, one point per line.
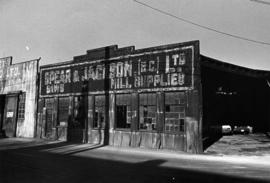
160	111
39	116
111	117
135	111
90	116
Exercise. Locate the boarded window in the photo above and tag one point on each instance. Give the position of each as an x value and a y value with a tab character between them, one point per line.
175	112
63	109
148	111
99	115
21	107
123	111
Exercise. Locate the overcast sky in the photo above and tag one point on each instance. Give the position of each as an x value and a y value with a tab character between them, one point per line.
57	30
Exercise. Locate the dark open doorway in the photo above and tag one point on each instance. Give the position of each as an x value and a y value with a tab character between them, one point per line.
233	95
2	107
121	116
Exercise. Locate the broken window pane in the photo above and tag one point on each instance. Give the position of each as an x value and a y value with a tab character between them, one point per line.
174	112
148	111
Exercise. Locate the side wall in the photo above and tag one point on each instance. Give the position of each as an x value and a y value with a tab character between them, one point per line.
22	77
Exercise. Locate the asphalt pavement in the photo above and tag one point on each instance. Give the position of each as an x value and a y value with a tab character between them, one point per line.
32	160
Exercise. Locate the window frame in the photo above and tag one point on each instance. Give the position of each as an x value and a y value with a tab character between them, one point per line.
21	106
139	111
181	104
130	106
94	113
58	109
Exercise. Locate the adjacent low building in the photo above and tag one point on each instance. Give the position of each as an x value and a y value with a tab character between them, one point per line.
18	97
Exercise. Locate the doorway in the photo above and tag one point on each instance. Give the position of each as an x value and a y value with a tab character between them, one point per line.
2	108
10	115
121	116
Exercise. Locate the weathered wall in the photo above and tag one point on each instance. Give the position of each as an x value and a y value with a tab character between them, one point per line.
112	72
22	77
4	64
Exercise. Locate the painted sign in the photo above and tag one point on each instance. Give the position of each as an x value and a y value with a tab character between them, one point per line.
9	114
159	69
4	64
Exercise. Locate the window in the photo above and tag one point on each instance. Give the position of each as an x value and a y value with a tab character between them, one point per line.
148	111
174	112
99	115
63	109
50	123
78	111
21	107
123	111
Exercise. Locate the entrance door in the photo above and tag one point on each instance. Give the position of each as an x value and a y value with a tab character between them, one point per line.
10	119
2	107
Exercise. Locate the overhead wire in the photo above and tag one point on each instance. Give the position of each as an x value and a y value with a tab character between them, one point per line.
260	1
200	25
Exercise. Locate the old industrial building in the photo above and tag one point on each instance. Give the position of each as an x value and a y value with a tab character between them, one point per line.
125	97
164	97
18	97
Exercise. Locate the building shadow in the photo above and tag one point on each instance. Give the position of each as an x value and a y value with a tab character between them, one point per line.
39	164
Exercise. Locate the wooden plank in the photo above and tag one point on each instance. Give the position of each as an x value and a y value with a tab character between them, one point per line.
167	141
135	139
156	141
146	140
117	138
126	139
179	143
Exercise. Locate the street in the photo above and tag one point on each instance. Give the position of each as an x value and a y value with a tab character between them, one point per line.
41	161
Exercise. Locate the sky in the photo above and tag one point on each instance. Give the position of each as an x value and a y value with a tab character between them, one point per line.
58	30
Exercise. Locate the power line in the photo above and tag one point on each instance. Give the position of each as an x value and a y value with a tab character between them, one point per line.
262	2
202	26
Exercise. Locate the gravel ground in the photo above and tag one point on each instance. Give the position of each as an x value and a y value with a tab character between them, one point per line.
243	145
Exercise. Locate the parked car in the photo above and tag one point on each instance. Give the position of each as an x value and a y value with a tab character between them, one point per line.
226	130
242	130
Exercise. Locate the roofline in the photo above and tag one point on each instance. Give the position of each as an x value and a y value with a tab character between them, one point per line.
221	65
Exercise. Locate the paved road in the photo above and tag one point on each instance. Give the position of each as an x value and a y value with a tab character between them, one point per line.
32	161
